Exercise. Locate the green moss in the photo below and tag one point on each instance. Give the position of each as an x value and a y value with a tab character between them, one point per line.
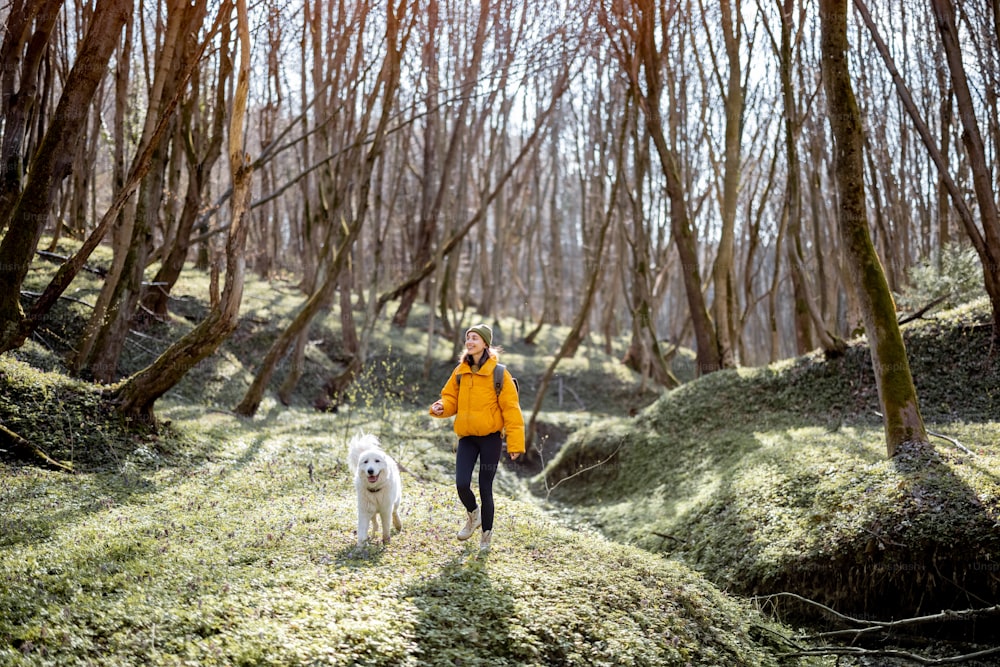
776	478
246	556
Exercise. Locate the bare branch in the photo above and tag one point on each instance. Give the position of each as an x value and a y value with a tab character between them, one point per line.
31	449
867	627
550	489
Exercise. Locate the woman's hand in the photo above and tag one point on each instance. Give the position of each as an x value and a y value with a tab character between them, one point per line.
437	408
514	455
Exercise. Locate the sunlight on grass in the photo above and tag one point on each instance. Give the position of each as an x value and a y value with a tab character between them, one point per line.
773	479
222	540
249	557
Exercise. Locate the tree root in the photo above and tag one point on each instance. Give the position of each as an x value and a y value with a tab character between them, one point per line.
32	451
866	628
887	653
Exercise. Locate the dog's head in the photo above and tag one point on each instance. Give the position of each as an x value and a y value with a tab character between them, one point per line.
372	468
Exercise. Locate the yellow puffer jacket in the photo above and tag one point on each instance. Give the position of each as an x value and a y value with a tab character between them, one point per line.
477	408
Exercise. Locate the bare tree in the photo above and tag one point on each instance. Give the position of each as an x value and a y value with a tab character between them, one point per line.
987	240
126	184
104	336
578	328
27	33
808	317
137	395
897	394
632	27
432	198
485	184
52	161
380	100
201	133
982	230
644	353
733	98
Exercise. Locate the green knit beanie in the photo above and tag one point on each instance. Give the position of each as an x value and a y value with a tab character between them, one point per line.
484	331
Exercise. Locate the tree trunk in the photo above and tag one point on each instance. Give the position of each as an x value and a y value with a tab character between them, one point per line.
987	241
793	196
553	267
137	395
578	329
29	50
644	354
896	391
200	164
946	116
126	185
431	206
82	180
420	273
389	82
355	346
724	302
988	245
644	54
53	160
108	328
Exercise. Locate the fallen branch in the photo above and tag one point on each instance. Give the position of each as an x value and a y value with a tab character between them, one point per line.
61	259
563	385
874	626
27	447
35	295
953	441
920	313
866	627
664	537
956	443
550	489
667	537
887	653
867	624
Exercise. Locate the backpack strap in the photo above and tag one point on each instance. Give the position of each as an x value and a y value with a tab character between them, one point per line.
497	378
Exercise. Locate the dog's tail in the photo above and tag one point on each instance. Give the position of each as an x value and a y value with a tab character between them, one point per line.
359	443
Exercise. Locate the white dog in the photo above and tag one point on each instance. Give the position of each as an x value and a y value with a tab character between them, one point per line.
379	487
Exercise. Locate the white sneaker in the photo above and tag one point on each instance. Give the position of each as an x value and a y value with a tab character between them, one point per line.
484	541
473	522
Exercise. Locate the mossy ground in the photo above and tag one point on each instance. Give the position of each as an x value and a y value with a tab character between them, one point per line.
228	541
245	554
776	479
219	540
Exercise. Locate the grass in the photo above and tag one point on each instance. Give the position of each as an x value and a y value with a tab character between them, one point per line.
776	479
245	555
226	541
229	541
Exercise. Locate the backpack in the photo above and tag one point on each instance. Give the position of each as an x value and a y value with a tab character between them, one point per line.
497	380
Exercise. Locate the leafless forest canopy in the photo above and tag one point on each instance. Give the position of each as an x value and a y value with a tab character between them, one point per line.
656	169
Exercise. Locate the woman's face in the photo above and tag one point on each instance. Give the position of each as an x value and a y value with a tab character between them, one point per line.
474	344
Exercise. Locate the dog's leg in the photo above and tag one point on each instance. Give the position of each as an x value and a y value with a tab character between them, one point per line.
385	525
397	524
363	519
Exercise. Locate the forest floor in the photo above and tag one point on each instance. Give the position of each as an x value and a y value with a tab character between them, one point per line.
653	536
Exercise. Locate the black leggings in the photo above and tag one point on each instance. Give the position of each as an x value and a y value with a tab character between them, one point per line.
487	449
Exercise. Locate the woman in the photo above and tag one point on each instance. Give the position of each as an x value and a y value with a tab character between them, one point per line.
481	413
